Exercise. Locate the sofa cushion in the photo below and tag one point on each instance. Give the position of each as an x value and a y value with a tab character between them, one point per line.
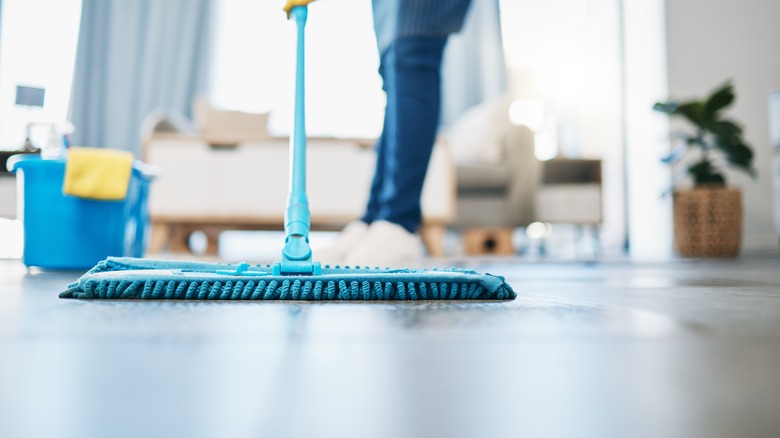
475	137
482	177
219	124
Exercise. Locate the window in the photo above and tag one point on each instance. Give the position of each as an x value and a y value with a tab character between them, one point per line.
254	66
38	41
565	57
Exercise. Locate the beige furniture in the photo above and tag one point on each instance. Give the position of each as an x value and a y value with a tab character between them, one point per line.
7	187
216	184
496	198
501	185
216	123
498	174
494	202
570	192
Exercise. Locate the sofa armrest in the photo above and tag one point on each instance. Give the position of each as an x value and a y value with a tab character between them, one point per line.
524	168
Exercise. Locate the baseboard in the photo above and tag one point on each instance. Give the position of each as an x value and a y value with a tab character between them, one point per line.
760	243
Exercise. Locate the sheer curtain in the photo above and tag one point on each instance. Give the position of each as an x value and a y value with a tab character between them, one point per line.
134	56
474	67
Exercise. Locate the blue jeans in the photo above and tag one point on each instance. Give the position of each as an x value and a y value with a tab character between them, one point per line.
411	72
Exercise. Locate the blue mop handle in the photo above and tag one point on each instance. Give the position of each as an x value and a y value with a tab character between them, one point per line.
296	255
298	138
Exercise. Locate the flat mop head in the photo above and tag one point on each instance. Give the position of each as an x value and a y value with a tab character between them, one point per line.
132	279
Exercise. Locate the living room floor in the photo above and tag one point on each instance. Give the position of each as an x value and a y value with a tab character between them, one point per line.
610	349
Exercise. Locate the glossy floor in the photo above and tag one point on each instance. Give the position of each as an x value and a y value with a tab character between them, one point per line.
682	349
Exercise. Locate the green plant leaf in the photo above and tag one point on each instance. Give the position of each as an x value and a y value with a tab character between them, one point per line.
694	112
674	156
665	107
713	179
692	140
726	128
704	174
701	167
739	155
719	99
714	135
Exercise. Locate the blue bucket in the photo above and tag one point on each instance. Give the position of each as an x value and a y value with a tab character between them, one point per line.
66	232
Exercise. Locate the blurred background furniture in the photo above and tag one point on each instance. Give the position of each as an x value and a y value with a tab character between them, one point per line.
570	193
502	186
496	198
8	201
497	176
7	190
226	172
238	180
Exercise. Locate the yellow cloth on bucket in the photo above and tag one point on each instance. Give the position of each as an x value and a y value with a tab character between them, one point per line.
97	173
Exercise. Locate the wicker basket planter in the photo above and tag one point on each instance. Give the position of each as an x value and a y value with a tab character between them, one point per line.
708	222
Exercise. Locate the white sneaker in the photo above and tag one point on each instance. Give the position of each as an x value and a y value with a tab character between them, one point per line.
385	245
350	236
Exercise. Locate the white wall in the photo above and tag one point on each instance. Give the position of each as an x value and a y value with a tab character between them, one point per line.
254	66
38	48
709	41
646	133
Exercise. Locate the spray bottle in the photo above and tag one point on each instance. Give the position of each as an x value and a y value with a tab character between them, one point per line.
53	149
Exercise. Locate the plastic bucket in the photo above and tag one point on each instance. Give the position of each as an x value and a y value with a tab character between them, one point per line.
66	232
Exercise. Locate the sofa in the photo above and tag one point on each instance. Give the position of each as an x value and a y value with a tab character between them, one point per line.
497	177
501	185
225	175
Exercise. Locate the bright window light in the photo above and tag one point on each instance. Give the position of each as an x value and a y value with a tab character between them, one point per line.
11	239
527	112
538	230
38	41
254	66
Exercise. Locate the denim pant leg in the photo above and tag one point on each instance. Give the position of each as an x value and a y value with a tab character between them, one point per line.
373	206
411	71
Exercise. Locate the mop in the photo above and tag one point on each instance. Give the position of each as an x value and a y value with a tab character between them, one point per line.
296	276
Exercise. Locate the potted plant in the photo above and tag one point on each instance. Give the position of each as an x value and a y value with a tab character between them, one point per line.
708	216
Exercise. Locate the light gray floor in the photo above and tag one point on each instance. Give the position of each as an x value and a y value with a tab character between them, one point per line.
684	349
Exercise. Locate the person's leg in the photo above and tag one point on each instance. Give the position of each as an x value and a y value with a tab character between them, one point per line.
411	77
386	71
355	232
412	80
373	205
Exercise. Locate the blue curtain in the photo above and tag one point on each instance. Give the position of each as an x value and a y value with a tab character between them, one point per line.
135	56
474	68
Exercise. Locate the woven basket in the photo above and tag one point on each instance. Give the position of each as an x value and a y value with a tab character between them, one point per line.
708	222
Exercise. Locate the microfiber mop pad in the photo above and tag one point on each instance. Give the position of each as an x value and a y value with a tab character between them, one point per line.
296	276
128	278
